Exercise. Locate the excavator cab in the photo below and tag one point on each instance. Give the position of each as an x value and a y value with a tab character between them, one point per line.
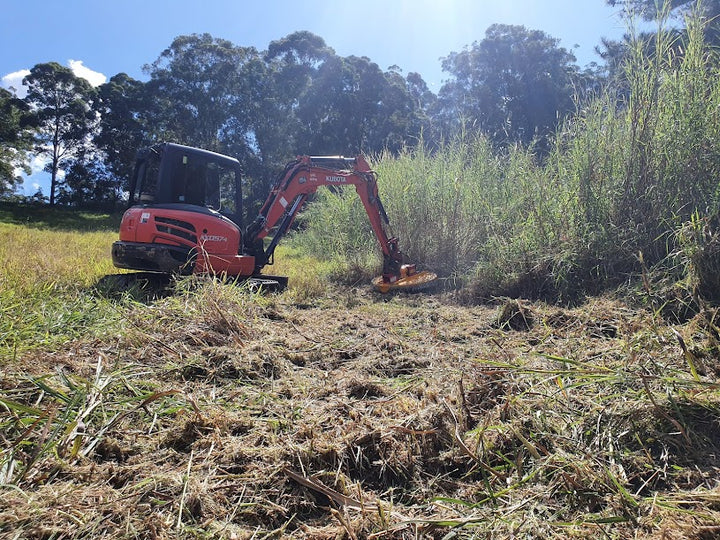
181	175
185	213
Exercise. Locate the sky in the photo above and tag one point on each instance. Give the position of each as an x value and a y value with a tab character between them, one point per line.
101	38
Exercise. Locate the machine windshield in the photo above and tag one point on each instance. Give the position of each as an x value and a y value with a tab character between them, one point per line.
180	175
205	183
147	174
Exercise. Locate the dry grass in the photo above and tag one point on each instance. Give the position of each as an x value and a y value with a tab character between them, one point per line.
223	414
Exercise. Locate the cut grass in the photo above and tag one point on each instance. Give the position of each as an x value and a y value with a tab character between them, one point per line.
220	412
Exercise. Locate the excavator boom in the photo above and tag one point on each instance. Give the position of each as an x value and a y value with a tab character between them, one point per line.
303	177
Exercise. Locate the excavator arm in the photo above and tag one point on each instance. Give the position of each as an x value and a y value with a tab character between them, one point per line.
303	177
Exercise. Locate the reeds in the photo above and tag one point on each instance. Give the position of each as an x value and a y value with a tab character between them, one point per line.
625	173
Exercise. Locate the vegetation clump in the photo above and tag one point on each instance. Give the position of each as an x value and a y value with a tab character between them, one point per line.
512	314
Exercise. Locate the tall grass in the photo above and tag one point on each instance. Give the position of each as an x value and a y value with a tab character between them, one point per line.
641	167
452	209
46	286
624	175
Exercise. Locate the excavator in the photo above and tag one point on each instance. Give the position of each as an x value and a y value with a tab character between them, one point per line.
186	216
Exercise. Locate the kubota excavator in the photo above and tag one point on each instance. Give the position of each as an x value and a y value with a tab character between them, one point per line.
185	216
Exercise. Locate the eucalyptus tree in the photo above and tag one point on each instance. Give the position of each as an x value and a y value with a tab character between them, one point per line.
514	85
352	106
64	118
292	65
122	107
400	116
89	183
199	96
273	84
425	107
14	141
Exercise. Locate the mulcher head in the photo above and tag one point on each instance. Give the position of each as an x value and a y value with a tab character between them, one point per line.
408	279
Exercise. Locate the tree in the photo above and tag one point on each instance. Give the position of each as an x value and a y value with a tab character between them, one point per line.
89	183
400	114
330	104
196	86
425	105
514	85
14	140
274	84
292	65
352	106
64	118
121	106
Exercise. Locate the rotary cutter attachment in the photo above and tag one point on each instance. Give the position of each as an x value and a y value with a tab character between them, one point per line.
408	280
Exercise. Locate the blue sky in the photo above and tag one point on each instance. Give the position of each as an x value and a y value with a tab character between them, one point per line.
101	38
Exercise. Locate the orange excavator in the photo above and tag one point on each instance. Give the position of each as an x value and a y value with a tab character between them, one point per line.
186	209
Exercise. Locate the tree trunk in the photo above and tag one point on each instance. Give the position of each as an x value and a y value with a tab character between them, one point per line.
53	181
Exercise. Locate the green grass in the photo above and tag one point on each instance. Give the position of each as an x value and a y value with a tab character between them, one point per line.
48	271
52	261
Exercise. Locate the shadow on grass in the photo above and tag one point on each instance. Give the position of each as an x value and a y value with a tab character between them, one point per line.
144	287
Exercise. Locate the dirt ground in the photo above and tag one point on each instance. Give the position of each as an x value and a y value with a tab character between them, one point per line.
359	415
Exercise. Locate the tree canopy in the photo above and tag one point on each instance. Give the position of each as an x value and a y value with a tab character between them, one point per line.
265	107
14	140
513	85
63	115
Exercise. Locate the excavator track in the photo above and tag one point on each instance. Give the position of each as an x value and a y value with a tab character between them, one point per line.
265	283
412	283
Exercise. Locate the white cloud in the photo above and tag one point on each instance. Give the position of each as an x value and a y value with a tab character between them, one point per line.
13	82
37	164
93	77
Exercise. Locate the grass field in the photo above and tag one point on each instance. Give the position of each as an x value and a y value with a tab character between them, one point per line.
330	411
